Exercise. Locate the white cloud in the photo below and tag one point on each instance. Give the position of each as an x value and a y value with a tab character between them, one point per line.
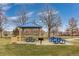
29	14
45	29
9	27
45	12
5	6
13	18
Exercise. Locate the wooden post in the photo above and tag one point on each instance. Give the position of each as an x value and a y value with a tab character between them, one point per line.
20	37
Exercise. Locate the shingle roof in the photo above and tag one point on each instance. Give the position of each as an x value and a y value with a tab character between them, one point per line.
29	25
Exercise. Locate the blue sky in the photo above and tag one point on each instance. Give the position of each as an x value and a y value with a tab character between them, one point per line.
65	10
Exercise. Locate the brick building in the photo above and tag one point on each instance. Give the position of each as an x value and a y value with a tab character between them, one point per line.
29	32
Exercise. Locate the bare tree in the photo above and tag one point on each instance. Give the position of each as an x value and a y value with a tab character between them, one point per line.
22	18
2	20
72	26
50	18
55	29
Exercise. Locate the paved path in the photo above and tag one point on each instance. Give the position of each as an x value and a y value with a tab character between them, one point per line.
46	42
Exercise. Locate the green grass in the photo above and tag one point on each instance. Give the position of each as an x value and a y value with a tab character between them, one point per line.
7	49
23	50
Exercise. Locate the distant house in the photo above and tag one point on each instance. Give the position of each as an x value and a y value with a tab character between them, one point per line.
29	32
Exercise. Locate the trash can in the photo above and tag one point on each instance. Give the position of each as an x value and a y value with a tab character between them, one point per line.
40	39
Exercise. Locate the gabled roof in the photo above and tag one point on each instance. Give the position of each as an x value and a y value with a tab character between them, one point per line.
29	25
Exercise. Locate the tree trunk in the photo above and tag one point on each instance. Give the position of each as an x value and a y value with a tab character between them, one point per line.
48	32
72	33
0	34
22	34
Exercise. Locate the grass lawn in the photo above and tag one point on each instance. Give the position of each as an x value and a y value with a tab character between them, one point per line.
23	50
7	49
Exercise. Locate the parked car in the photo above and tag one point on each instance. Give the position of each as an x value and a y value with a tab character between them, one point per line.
57	40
